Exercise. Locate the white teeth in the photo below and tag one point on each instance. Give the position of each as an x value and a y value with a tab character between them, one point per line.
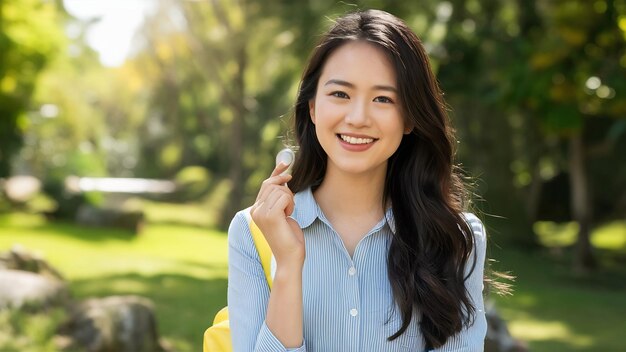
354	140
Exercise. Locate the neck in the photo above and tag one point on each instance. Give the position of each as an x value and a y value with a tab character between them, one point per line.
349	195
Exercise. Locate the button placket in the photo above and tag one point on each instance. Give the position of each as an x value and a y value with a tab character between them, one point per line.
354	288
355	305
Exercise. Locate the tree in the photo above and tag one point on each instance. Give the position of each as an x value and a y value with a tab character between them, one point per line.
582	57
30	35
221	77
530	77
475	57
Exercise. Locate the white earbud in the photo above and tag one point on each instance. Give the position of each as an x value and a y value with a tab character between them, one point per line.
286	156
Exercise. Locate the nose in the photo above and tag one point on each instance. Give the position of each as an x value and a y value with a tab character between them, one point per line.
359	114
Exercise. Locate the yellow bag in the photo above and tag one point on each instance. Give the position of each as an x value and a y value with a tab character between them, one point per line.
217	336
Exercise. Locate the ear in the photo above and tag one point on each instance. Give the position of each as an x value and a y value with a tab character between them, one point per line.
408	129
312	109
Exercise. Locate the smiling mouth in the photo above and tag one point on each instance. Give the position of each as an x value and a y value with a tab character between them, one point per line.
355	140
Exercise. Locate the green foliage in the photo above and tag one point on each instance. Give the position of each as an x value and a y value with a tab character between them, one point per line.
522	77
29	332
89	136
65	204
610	236
193	182
30	36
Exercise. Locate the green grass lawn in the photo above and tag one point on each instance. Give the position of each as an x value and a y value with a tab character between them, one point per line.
554	309
182	268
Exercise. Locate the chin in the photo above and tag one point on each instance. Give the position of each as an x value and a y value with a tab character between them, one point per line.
359	168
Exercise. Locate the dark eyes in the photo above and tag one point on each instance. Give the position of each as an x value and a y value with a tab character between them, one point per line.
340	94
383	100
343	95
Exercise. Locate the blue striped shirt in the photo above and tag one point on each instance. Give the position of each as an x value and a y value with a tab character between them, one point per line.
348	302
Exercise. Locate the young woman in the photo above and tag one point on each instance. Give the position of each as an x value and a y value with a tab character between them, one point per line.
372	249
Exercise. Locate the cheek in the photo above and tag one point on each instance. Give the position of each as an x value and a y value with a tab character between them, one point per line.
321	107
323	113
397	129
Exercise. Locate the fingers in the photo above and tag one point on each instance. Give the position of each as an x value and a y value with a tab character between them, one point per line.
270	193
272	181
269	185
271	212
279	169
277	180
290	207
274	195
276	202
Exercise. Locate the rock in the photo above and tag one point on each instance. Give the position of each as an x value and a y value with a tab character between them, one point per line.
28	281
112	324
20	259
22	289
498	338
91	216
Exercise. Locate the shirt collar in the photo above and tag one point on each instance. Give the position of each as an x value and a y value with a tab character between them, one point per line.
307	210
391	222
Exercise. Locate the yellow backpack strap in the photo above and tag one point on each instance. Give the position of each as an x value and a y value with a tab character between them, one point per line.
217	337
265	252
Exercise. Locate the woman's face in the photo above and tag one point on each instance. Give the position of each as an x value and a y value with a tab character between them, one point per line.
356	111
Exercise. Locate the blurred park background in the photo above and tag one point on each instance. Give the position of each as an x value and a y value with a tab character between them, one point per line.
98	97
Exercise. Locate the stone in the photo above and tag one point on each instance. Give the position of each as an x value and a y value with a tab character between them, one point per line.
112	324
116	218
23	289
20	259
498	337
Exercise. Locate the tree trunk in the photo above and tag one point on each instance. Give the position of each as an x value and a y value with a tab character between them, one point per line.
584	260
534	193
236	145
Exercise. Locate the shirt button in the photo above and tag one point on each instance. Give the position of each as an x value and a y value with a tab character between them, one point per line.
353	312
352	271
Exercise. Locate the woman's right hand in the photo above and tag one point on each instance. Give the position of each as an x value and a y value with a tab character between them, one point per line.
271	213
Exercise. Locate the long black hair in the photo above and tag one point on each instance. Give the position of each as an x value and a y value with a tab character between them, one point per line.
432	243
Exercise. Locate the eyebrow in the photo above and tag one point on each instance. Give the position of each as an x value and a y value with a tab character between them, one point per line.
350	85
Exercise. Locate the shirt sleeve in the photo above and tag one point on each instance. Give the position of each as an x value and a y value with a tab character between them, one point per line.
248	293
472	337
